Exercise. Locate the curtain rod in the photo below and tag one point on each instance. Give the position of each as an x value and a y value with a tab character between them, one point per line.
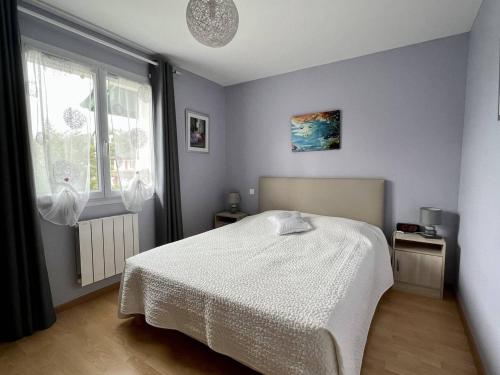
85	35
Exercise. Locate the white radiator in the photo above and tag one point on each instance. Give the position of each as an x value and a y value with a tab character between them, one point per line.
104	244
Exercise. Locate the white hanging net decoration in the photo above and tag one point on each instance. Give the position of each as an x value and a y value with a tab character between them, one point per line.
65	171
61	128
74	118
212	22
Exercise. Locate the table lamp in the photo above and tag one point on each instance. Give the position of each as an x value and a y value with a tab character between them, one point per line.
429	217
234	200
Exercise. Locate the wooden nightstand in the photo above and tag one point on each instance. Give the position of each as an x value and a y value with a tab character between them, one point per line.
419	264
226	217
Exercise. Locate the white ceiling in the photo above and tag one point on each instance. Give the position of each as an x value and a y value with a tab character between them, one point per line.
278	36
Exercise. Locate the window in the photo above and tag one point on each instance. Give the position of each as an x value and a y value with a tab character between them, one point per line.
91	128
63	131
129	129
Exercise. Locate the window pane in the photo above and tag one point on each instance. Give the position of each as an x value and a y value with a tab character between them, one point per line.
94	165
130	128
62	123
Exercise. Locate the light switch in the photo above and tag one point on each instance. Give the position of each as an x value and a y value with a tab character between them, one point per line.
251	191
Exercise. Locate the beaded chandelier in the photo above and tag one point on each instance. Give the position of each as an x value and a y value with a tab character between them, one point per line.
212	22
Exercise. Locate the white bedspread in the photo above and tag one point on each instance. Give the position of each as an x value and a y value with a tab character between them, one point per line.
295	304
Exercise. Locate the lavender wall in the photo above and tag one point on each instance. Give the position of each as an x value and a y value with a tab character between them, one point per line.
202	176
402	113
479	205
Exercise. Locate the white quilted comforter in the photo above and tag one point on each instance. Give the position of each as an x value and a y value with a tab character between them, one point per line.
295	304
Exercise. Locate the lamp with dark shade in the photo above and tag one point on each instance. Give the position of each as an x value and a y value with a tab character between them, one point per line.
429	217
234	200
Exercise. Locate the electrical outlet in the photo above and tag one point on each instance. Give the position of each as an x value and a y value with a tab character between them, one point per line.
251	191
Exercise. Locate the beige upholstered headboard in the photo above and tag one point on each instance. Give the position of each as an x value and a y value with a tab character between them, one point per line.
353	198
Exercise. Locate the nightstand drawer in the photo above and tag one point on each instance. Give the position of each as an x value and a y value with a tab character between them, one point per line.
418	269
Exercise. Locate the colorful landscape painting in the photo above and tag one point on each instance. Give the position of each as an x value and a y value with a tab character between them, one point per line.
316	131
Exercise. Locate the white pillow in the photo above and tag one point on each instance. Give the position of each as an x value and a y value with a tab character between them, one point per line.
289	222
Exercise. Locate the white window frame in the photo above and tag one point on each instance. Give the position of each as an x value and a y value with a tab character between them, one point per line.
105	195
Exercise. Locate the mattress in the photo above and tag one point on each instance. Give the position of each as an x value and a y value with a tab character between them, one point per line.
294	304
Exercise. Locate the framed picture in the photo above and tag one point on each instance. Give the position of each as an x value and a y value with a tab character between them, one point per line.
317	131
197	131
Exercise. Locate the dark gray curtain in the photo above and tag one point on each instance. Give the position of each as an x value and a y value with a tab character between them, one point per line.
25	293
168	215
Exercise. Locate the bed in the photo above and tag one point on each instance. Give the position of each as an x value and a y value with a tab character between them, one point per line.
295	304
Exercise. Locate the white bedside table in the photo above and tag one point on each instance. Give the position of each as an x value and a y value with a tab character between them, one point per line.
419	264
226	217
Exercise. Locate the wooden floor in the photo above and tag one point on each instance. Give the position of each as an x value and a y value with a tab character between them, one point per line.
409	335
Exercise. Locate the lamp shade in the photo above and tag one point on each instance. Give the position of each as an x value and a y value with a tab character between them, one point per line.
233	198
430	215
